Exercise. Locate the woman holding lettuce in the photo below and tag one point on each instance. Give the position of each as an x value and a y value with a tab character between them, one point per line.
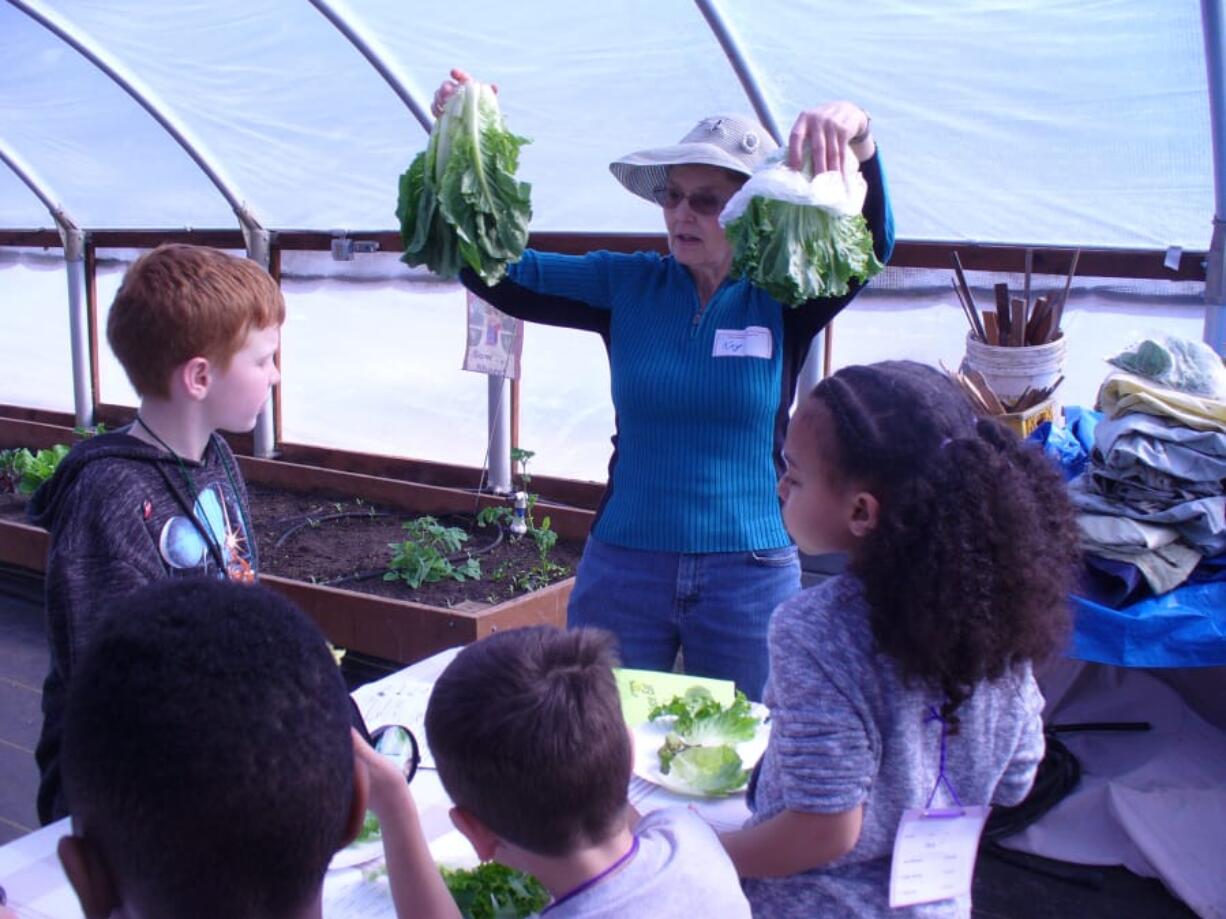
688	548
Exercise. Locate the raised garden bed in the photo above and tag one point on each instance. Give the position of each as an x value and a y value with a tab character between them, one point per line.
345	543
372	616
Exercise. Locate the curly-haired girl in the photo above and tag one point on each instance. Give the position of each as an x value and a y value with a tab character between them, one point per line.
962	548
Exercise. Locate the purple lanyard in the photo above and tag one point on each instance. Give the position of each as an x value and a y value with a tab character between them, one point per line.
593	881
941	776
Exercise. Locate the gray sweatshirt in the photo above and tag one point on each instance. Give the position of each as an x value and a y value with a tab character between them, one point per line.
847	731
122	514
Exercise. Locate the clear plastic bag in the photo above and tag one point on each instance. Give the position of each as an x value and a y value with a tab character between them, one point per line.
842	193
1178	363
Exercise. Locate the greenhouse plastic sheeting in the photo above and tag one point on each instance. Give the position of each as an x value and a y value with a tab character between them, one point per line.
1030	122
1184	628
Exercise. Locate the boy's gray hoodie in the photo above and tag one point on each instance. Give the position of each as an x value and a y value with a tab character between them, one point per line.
122	513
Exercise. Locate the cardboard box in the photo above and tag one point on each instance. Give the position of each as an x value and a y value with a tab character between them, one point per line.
1027	421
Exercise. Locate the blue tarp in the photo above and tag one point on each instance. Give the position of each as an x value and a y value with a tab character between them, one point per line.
1183	628
1070	444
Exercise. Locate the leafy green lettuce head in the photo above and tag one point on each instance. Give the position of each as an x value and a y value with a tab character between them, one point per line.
799	236
459	202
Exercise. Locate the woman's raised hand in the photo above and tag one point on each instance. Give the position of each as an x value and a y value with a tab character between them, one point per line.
448	89
823	133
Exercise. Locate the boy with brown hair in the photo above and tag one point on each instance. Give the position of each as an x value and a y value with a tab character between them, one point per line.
527	733
197	333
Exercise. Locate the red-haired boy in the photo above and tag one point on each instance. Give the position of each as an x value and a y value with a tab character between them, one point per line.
197	333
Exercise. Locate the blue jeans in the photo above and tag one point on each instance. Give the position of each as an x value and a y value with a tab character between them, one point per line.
713	606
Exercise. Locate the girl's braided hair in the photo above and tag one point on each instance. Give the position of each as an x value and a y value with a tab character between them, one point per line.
968	571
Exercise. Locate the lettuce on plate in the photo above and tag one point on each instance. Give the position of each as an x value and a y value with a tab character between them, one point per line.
459	202
699	751
700	719
799	236
715	770
493	891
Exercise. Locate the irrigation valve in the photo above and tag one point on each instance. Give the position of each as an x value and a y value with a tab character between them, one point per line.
519	520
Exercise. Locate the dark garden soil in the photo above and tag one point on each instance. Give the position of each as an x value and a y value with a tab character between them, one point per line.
344	543
12	507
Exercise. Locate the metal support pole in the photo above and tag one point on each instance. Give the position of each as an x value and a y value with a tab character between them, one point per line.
259	240
1215	274
499	479
78	325
72	238
740	65
1215	290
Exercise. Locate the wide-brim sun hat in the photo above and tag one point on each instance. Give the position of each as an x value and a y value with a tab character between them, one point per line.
735	142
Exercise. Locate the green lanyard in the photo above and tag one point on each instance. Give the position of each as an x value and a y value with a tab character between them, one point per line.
217	550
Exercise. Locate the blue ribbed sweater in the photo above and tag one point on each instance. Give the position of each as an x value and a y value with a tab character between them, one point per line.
695	471
698	436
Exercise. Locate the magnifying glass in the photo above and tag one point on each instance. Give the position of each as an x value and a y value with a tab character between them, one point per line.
394	741
398	744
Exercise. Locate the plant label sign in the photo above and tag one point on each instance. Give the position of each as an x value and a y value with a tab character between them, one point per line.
495	340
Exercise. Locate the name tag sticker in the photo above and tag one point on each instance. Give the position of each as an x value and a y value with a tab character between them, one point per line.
754	341
934	854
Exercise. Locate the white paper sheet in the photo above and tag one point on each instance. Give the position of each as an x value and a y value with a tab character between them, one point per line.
402	698
1154	802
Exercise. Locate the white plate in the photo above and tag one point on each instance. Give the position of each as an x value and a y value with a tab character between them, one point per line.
357	853
649	737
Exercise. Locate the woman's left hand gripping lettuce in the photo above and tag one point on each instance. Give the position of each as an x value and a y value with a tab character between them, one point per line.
799	236
700	750
459	202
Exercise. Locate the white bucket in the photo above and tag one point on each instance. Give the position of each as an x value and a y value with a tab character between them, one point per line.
1011	371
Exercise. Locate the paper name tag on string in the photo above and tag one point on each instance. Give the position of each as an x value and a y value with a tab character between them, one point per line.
934	854
754	341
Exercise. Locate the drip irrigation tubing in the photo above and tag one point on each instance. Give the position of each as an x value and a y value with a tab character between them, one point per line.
294	518
312	521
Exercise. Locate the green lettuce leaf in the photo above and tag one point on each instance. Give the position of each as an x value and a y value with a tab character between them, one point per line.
700	719
798	252
707	770
493	891
459	202
23	470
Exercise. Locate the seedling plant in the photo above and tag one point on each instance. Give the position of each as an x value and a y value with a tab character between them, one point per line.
23	470
545	571
433	552
426	555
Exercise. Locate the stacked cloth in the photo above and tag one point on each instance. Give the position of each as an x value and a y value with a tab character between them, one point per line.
1152	498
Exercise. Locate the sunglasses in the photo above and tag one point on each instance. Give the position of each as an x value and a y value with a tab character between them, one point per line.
704	203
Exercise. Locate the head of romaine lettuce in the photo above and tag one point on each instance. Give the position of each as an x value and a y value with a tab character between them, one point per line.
798	235
459	202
